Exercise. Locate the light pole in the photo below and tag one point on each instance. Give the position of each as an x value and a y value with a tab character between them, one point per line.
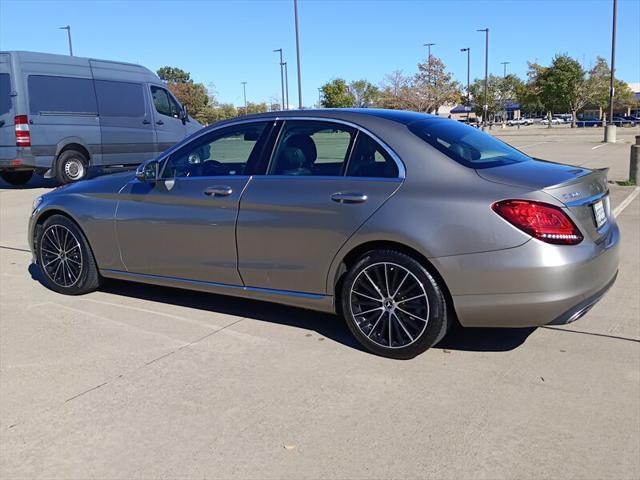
295	10
244	91
281	78
319	97
468	50
485	107
286	84
429	45
68	29
504	100
610	129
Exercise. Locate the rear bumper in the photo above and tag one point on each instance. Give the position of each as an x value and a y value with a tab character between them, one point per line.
531	285
23	159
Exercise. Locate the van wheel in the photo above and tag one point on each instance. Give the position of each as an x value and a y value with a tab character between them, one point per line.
71	166
16	178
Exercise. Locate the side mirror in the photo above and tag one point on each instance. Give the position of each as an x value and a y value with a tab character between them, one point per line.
148	172
184	115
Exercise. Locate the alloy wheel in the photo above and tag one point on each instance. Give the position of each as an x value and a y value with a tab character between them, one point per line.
389	304
61	255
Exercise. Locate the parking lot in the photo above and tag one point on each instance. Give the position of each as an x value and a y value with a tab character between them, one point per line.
137	381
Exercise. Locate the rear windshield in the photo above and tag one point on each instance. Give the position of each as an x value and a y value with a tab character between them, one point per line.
5	93
466	145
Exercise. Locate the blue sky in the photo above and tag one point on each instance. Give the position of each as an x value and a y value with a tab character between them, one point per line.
223	43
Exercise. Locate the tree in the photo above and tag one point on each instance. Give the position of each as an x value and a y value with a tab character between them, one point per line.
173	75
500	92
395	91
364	93
436	85
599	83
336	94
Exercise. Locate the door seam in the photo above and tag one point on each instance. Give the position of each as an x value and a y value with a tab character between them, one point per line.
235	229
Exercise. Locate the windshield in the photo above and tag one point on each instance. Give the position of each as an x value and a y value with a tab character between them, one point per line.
466	145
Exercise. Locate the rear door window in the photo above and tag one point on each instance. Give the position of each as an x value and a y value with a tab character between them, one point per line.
66	95
120	99
5	93
311	148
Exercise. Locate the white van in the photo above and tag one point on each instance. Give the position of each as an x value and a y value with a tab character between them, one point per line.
61	115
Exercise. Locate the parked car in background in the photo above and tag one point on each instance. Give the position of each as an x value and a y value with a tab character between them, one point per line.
588	122
632	118
63	115
520	121
624	122
554	121
401	222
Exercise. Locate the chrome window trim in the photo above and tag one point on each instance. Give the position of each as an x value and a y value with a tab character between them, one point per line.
387	148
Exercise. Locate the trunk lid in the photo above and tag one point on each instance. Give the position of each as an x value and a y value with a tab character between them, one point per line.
584	192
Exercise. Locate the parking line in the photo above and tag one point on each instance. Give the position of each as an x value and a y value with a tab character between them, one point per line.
598	146
625	203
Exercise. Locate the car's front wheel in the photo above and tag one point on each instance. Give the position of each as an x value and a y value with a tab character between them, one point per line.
65	258
393	305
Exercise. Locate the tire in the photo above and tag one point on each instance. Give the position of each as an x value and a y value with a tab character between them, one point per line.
16	178
75	273
409	295
71	166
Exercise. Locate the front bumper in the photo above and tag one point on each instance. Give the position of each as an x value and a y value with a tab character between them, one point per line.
531	285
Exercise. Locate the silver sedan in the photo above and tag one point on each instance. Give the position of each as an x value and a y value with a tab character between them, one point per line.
403	223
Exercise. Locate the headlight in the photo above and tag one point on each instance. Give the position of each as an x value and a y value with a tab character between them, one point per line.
36	203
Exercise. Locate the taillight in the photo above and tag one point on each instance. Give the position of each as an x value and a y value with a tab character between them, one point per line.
23	136
540	220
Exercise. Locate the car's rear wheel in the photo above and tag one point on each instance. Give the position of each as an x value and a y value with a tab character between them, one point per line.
71	166
393	305
65	258
16	178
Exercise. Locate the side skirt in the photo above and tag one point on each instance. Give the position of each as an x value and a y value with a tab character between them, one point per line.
322	303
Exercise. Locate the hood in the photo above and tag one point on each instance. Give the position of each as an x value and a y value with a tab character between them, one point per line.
103	184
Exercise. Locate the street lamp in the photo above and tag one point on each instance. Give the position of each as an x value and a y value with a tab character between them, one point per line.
286	85
319	97
504	64
281	77
295	10
429	45
485	107
468	50
610	129
68	29
244	90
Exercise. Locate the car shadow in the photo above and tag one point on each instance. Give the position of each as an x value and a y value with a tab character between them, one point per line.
324	324
37	181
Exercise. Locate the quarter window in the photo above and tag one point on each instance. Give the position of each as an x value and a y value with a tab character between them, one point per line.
48	94
224	153
120	99
370	160
311	148
165	103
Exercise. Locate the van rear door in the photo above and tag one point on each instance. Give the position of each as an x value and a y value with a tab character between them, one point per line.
7	133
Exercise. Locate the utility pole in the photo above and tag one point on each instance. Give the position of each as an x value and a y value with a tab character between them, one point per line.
319	97
610	129
485	107
68	29
295	10
504	100
281	78
429	45
244	89
468	50
504	64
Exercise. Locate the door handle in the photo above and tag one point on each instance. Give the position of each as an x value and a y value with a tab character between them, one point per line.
218	190
146	122
348	197
159	122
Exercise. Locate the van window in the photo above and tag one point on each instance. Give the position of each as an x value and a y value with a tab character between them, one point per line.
164	102
5	93
49	94
120	99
